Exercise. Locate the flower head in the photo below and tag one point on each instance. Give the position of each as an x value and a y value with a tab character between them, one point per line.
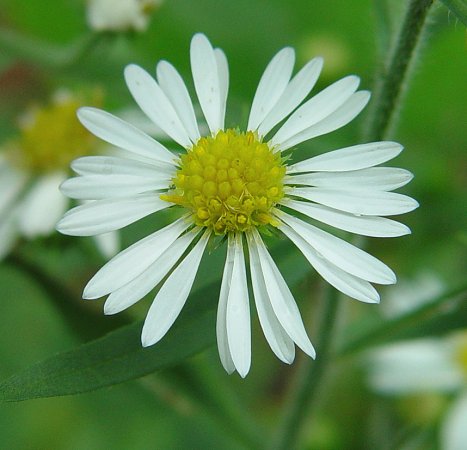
34	164
424	367
120	15
236	183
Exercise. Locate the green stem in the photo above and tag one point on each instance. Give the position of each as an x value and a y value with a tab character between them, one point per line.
388	92
308	378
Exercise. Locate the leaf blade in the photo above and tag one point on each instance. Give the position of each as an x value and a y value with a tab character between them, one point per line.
112	359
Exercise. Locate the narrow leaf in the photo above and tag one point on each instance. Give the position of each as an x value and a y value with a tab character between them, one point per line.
115	358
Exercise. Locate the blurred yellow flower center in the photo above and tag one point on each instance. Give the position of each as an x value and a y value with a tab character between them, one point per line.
51	137
230	182
461	352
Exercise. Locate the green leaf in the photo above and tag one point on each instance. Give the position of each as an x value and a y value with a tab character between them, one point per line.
116	357
458	8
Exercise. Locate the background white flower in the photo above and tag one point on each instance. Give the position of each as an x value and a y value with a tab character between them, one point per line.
235	184
33	166
424	366
120	15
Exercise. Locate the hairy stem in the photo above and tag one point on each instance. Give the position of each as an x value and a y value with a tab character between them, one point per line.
388	91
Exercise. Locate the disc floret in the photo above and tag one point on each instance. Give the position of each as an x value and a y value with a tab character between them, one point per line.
230	182
50	137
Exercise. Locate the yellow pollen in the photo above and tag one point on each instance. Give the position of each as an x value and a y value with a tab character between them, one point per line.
230	182
50	138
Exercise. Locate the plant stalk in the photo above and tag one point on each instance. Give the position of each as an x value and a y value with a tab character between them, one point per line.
388	90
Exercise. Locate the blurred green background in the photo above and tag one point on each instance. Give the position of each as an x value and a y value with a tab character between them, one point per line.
158	413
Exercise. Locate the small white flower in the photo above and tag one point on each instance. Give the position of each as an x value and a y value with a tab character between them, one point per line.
416	366
120	15
454	430
424	366
236	183
33	166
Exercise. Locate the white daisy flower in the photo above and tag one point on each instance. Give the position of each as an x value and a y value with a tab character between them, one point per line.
32	167
120	15
424	366
236	183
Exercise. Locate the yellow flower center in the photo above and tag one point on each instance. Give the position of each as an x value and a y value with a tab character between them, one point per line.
230	182
51	137
461	351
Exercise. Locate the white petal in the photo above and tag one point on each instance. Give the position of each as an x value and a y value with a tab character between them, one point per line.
454	429
296	91
112	165
172	296
364	225
223	72
221	322
42	206
419	365
12	183
132	261
377	178
175	89
282	301
97	187
339	118
368	203
238	313
279	341
108	243
144	283
271	86
342	254
316	109
348	284
349	158
207	81
124	135
155	104
101	216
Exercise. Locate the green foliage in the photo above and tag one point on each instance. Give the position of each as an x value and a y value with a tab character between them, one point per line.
114	358
434	318
458	8
186	404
